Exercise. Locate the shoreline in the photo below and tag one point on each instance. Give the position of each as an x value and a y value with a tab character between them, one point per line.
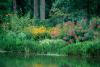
38	54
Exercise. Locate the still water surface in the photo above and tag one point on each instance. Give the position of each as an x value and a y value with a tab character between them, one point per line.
10	60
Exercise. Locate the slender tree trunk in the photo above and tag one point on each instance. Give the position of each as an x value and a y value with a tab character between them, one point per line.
36	12
42	9
14	6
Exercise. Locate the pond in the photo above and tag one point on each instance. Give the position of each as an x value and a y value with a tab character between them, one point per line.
12	60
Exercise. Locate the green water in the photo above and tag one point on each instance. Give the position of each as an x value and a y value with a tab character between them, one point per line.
12	60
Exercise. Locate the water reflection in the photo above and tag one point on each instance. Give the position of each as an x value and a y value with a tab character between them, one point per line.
8	60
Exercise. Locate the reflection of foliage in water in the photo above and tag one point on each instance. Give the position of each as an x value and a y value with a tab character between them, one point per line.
47	61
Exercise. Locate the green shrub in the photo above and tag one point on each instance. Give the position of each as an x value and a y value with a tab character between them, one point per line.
88	48
18	23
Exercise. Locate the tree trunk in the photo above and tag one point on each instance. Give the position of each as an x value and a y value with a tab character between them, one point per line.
36	12
14	6
42	9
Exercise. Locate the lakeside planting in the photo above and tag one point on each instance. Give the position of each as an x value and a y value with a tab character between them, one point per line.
69	38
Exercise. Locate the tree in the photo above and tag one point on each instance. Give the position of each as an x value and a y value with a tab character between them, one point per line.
36	12
42	9
14	5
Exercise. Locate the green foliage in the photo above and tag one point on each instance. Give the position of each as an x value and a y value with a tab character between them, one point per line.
51	46
18	23
66	7
40	39
88	48
75	9
5	8
18	43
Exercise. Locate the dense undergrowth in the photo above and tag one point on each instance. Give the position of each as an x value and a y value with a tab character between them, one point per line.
70	38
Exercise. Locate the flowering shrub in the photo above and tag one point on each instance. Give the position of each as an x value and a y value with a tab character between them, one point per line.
71	32
74	35
38	32
54	32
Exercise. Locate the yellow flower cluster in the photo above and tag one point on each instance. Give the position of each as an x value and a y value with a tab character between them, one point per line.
37	30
